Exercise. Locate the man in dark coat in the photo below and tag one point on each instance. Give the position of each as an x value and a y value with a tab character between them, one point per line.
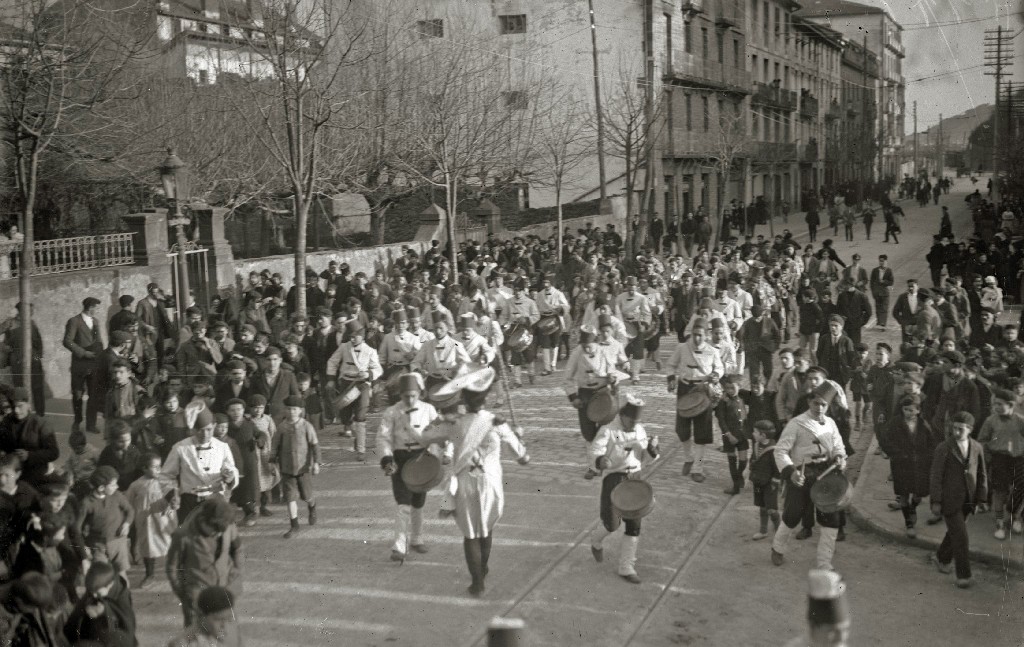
905	310
82	337
881	287
685	298
275	384
854	306
836	352
27	435
948	393
13	338
986	332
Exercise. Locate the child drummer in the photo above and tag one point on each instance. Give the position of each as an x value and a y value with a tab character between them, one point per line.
617	449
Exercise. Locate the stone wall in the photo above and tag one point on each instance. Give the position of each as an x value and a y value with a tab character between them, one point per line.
368	259
58	297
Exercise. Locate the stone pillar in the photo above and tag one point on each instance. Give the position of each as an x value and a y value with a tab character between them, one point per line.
488	214
150	237
432	223
210	222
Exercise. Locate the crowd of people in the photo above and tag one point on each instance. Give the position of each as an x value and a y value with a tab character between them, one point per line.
211	423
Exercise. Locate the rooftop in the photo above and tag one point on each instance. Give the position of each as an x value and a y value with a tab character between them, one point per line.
829	8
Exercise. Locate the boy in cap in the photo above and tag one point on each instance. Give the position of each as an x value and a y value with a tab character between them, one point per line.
398	349
636	312
731	412
959	487
519	312
399	441
859	385
29	437
764	476
296	451
618	450
809	444
551	302
588	370
1002	436
836	352
106	518
215	622
354	365
206	550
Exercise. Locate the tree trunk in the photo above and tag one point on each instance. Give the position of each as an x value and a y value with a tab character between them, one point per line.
378	222
27	265
720	192
558	206
301	218
452	186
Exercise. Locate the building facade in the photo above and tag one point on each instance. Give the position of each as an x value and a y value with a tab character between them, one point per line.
858	140
875	29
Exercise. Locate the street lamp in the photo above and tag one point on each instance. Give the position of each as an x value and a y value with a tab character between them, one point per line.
174	176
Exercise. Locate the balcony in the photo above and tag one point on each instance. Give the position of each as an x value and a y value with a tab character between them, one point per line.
690	143
694	70
809	151
776	152
691	8
773	97
808	106
835	111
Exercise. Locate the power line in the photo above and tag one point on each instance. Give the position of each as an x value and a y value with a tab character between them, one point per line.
953	23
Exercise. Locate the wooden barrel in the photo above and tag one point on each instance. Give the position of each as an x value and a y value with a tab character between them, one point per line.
633	499
423	473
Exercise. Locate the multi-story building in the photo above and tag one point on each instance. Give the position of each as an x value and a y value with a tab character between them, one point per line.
858	141
876	29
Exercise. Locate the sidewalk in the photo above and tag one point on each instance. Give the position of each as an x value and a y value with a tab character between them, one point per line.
870	511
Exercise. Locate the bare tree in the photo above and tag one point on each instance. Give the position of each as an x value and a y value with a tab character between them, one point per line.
471	122
728	145
62	67
565	140
288	100
633	126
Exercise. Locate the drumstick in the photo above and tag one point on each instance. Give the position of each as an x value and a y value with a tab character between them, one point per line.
831	467
506	389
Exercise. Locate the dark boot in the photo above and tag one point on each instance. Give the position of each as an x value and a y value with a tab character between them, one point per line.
741	465
472	549
735	489
293	530
485	555
312	514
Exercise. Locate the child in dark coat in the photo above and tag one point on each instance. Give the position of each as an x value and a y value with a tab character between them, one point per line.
105	613
764	476
910	444
731	413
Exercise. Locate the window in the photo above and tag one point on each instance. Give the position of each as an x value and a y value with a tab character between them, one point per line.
721	113
720	45
754	67
433	28
513	23
704	42
707	113
736	54
225	30
687	38
689	112
516	100
175	26
756	126
778	27
204	77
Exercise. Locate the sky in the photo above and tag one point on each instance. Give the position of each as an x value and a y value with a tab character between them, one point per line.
944	44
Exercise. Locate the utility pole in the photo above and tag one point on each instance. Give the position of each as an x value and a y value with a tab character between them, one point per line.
864	147
604	206
915	140
998	55
940	151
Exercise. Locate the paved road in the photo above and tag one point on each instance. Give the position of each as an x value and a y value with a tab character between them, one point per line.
704	581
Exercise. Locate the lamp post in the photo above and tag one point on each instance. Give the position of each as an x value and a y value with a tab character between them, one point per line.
174	176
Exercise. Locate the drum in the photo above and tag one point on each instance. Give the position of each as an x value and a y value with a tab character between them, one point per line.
443	401
650	331
342	400
519	338
633	499
423	473
603	406
694	402
549	325
832	492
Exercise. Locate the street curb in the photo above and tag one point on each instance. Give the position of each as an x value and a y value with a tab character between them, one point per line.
864	521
